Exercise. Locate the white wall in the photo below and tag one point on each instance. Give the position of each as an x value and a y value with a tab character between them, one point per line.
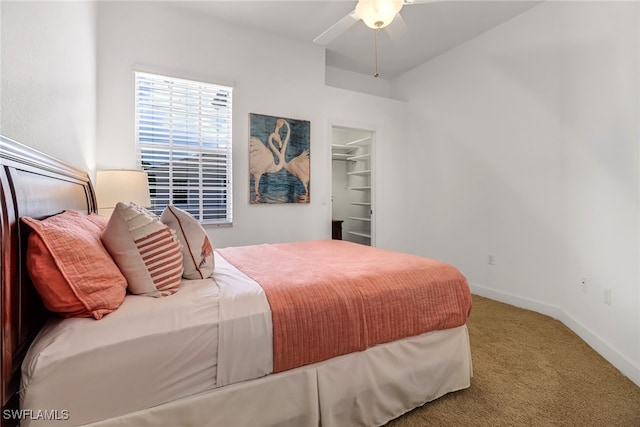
523	143
47	66
524	146
271	76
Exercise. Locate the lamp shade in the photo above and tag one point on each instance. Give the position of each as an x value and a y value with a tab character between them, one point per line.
378	13
121	185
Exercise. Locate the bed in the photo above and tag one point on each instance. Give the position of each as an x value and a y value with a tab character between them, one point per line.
187	360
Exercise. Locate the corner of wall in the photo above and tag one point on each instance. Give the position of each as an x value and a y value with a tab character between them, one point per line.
600	345
349	80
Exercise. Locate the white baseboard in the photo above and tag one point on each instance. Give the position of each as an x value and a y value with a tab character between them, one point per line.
623	364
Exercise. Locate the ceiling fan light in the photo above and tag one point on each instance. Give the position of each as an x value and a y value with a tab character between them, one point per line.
378	13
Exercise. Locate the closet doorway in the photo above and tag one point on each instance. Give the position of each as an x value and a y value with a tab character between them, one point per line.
352	195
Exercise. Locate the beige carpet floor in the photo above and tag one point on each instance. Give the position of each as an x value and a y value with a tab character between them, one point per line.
531	370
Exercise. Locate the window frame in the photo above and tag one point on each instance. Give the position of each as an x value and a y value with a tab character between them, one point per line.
185	127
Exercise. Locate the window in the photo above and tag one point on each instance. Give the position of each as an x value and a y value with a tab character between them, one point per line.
183	136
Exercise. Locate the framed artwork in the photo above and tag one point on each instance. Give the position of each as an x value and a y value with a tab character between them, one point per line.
279	159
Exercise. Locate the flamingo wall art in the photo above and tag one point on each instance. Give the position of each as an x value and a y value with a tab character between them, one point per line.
279	160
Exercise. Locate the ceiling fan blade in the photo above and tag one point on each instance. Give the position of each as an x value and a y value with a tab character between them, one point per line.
398	30
336	29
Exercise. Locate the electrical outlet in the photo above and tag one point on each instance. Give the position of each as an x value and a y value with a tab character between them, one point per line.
491	260
584	286
607	296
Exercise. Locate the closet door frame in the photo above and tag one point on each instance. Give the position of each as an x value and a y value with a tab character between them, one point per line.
363	127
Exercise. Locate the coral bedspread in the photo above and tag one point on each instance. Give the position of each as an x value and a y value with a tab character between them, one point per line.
332	297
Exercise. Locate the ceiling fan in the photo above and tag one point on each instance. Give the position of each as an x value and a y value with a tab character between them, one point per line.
376	14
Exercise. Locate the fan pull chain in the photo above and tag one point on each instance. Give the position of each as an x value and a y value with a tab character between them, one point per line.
375	53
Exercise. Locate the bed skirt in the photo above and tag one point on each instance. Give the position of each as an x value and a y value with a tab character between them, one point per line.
367	388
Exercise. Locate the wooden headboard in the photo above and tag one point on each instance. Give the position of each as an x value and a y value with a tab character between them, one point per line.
36	185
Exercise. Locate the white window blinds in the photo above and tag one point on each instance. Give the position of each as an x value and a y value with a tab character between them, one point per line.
183	132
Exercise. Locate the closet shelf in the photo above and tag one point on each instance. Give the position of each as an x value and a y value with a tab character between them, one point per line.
360	188
360	219
361	203
360	157
343	147
363	141
355	233
367	172
340	156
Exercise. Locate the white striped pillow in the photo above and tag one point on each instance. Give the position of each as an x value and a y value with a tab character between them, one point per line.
146	251
197	251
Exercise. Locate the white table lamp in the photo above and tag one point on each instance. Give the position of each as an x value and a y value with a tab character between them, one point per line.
121	185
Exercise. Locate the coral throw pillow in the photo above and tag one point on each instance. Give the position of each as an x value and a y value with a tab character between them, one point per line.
71	269
197	250
147	251
99	220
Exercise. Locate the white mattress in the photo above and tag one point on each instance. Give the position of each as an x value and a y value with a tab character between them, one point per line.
151	350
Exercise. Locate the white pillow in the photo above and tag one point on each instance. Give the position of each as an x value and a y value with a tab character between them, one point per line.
146	251
197	251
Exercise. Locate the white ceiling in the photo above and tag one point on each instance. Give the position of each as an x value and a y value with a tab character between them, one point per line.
433	27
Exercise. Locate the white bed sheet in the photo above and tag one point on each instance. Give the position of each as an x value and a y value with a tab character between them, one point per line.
245	349
151	351
126	361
